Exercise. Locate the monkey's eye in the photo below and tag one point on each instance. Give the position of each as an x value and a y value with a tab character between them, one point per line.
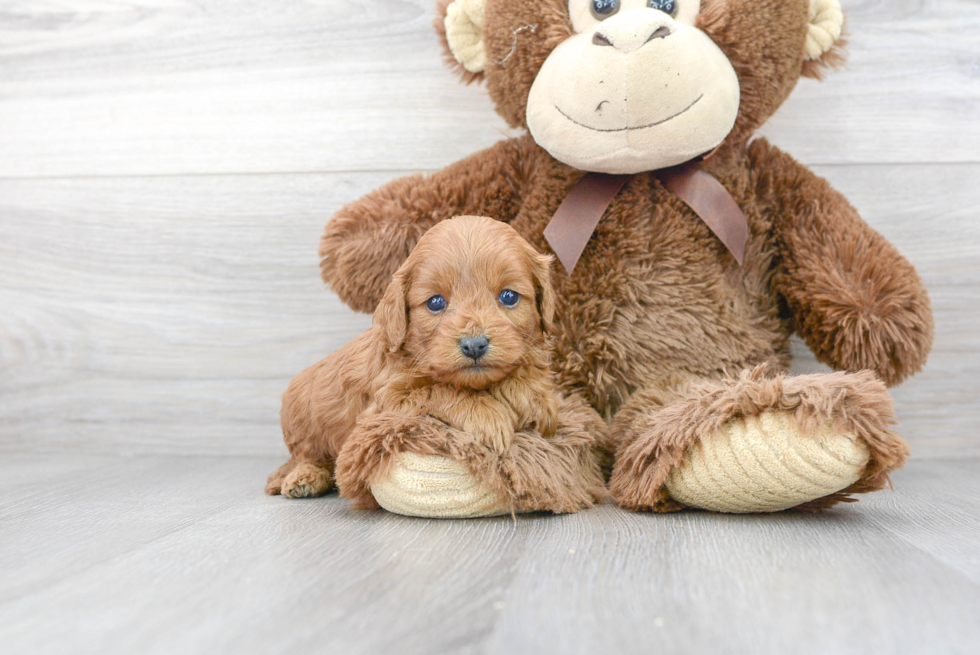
508	298
436	304
603	9
666	6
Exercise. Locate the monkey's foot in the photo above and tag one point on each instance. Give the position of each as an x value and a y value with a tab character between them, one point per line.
434	487
760	444
419	466
767	463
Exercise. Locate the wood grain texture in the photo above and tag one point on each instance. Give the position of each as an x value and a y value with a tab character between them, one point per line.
174	554
91	87
151	302
168	314
163	313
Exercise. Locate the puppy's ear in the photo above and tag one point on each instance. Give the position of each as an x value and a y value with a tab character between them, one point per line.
543	291
391	315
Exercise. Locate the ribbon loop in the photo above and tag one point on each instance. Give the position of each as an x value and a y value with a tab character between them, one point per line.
573	224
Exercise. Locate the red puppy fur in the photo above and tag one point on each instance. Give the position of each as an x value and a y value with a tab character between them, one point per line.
411	362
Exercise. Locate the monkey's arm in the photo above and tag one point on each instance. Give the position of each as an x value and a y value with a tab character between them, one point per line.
854	299
368	239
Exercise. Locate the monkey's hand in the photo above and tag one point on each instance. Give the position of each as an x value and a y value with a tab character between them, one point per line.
854	299
367	240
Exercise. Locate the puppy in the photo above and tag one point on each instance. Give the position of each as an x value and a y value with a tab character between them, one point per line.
460	335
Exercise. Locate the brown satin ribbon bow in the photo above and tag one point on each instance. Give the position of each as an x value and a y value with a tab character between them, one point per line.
572	226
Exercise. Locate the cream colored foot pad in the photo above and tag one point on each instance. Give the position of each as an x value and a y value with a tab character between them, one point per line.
766	464
434	487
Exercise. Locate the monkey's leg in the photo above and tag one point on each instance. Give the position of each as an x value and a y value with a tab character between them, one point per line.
756	444
400	463
418	466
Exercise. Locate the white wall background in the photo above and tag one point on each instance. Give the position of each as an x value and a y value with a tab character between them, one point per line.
166	168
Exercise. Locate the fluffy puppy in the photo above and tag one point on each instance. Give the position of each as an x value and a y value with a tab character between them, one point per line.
460	336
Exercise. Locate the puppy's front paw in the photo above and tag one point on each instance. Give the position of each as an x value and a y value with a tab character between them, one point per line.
307	480
493	430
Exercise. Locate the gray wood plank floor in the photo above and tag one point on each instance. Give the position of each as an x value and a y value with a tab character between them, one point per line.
108	554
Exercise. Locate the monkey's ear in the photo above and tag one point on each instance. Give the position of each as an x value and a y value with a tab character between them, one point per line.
824	38
391	315
544	293
459	24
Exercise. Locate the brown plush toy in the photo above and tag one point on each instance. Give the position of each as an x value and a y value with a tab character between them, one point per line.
674	312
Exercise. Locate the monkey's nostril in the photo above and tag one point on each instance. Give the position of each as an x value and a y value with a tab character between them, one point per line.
661	32
474	347
599	39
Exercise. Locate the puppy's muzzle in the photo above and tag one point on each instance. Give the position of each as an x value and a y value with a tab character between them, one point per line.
474	347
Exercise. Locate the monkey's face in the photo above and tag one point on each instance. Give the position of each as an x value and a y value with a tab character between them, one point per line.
625	86
638	87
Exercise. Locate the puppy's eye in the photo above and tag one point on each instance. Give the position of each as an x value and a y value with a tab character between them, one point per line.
508	298
436	304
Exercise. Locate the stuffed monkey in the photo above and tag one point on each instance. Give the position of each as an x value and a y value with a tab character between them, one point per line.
708	249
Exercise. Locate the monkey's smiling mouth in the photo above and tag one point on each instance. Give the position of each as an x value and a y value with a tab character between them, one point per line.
628	129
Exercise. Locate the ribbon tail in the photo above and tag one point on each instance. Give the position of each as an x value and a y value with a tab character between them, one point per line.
711	201
572	226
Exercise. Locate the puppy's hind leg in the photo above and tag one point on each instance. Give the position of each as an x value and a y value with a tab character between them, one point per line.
319	410
301	479
273	486
305	480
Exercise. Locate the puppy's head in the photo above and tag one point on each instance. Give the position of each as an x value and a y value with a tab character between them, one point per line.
471	303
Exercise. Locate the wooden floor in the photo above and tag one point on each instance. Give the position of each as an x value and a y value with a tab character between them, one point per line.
106	554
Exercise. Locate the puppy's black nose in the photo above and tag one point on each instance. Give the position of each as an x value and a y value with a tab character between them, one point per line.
474	347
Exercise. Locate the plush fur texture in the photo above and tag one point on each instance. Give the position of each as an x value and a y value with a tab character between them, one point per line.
657	313
558	474
406	385
652	442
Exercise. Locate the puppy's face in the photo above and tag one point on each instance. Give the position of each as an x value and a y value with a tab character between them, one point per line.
471	303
